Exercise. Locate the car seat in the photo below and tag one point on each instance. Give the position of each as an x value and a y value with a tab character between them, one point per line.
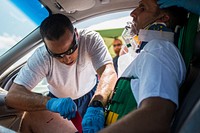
187	117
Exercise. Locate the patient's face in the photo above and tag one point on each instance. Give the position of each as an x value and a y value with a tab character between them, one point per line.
146	13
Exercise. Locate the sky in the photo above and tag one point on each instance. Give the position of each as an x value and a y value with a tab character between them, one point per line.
12	25
12	17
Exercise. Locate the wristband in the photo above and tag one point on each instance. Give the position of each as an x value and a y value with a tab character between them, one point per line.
96	103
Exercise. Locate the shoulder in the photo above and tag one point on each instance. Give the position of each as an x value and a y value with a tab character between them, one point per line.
155	45
85	33
90	39
40	55
41	51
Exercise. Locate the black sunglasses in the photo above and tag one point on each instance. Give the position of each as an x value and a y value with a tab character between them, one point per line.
70	51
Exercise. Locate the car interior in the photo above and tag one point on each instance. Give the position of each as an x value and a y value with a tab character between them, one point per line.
186	119
187	116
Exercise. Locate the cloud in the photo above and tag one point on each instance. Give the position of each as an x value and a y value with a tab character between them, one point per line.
7	41
19	17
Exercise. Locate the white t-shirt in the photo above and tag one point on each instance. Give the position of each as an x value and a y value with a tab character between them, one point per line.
124	61
67	81
159	71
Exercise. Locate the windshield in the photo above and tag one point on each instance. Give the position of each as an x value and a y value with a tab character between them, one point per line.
18	18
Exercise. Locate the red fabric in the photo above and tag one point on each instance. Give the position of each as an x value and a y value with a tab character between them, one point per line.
77	122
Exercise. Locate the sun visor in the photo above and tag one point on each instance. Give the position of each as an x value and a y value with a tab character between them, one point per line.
72	6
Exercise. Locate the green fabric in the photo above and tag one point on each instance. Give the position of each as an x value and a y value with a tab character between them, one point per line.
123	100
187	38
111	33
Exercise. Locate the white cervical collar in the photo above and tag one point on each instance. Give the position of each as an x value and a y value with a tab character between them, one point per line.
148	35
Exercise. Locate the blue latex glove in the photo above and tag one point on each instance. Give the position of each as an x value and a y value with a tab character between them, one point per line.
65	106
191	5
93	120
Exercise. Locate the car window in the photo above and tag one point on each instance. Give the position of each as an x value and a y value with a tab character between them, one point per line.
18	19
105	21
109	25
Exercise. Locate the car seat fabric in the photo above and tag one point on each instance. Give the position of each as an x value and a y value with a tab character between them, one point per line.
191	125
187	118
187	38
193	70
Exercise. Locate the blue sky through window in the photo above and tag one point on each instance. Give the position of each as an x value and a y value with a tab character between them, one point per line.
15	24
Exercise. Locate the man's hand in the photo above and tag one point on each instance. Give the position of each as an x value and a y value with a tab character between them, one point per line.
191	5
93	120
65	106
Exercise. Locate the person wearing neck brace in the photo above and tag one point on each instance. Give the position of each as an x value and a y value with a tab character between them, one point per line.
136	44
158	70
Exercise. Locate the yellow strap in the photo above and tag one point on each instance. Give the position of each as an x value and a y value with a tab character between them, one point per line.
112	117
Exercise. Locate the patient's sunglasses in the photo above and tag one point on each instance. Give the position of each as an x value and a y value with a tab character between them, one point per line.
70	51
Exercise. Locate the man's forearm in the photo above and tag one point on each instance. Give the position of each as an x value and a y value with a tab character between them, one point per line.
22	99
106	84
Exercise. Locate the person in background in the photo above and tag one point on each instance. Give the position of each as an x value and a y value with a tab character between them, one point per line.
70	61
117	45
190	5
158	71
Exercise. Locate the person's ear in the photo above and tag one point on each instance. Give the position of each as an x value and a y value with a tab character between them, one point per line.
164	18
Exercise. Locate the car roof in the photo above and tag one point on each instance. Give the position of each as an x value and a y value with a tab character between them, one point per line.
78	10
